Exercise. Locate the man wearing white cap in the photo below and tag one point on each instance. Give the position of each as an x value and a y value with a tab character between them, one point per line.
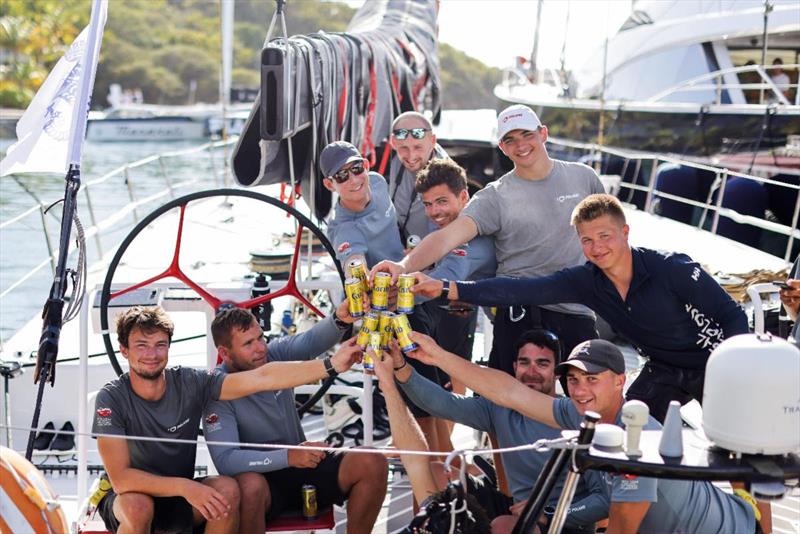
527	212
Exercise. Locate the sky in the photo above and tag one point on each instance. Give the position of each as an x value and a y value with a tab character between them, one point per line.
496	31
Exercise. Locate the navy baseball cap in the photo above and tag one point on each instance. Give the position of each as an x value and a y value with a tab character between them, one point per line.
336	155
594	356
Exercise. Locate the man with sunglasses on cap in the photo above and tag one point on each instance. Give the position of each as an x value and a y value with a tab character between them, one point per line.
527	212
538	352
414	144
595	372
363	223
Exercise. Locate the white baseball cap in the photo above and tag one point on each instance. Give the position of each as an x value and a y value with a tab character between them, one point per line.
516	117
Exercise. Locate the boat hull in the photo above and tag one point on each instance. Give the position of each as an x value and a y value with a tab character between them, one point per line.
147	129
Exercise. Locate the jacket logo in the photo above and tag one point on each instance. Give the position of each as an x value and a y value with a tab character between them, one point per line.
104	412
344	246
459	252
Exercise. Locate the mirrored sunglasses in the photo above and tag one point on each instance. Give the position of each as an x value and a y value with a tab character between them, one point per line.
416	133
343	175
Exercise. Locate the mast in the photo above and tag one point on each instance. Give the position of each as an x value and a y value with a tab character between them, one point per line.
226	33
768	6
533	75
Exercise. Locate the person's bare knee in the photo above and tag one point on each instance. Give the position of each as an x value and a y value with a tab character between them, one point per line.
369	468
254	492
229	489
134	508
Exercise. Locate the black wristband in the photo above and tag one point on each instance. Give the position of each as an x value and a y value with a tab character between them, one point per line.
341	325
329	367
405	362
445	288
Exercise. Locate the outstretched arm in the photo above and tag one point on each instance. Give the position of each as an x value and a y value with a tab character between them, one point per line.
432	248
282	375
406	433
497	386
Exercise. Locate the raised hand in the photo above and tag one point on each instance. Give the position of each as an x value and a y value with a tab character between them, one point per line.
343	312
427	286
306	458
427	348
383	368
348	354
209	502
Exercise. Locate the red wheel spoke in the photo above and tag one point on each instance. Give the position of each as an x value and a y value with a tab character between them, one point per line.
174	270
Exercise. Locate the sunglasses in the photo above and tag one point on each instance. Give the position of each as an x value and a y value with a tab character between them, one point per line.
402	133
343	175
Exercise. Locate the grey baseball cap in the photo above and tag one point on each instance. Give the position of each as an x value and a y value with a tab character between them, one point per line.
336	155
594	356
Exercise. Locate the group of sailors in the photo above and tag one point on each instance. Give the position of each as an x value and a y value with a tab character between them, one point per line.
520	245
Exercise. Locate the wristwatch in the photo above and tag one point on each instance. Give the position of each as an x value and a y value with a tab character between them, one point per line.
341	325
329	367
445	288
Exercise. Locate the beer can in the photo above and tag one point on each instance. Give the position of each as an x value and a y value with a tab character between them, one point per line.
352	287
380	291
405	298
375	344
386	329
401	330
369	324
309	497
357	269
413	241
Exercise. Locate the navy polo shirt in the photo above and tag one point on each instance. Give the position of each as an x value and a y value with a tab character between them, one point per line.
674	312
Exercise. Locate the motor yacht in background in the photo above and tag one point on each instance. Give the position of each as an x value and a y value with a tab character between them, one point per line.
688	78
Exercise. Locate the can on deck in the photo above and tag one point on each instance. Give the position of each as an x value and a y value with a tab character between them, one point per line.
380	291
309	496
386	329
357	269
352	287
369	324
375	344
413	241
401	330
405	298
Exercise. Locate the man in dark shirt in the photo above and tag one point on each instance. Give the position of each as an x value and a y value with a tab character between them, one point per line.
152	481
664	303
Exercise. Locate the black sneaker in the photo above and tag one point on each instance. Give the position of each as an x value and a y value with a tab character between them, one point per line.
43	439
64	442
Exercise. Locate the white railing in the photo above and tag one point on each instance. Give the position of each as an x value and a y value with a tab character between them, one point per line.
713	203
90	189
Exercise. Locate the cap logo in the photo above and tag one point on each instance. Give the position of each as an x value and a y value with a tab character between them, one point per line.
509	117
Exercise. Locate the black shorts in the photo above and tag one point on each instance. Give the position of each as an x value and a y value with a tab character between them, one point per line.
172	514
454	333
658	384
285	485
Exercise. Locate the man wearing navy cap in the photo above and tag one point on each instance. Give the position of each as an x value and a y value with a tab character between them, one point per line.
363	223
595	372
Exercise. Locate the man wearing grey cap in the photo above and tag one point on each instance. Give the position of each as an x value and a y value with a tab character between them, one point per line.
527	212
363	223
595	372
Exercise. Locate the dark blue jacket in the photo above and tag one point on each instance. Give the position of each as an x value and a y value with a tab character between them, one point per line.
674	312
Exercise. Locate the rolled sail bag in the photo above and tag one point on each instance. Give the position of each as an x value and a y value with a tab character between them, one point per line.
27	503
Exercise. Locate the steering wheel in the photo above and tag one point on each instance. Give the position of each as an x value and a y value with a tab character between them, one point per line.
174	270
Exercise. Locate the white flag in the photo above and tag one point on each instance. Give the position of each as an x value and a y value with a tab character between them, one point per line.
50	132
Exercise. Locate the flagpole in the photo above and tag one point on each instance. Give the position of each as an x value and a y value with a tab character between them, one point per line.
53	309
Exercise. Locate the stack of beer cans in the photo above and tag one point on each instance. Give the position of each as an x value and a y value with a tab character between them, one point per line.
378	324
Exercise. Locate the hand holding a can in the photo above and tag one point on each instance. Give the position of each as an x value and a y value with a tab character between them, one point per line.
393	268
383	368
343	312
427	286
427	349
348	354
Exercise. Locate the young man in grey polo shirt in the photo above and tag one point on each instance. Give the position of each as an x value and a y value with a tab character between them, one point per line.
527	212
595	373
363	223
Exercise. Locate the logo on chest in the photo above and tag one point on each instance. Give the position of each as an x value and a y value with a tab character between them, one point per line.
178	426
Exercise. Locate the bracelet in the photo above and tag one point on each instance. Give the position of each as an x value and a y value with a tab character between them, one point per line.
341	325
445	288
405	362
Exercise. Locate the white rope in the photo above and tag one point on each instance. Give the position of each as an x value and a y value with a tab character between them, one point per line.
541	445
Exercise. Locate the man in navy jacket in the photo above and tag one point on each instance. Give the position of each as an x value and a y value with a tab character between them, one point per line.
664	303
